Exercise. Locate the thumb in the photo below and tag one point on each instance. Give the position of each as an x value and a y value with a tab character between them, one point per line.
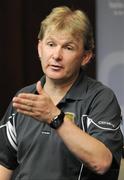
39	87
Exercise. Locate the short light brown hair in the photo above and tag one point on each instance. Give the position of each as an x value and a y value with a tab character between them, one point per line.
75	22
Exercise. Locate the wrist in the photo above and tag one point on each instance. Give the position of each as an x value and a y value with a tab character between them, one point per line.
57	120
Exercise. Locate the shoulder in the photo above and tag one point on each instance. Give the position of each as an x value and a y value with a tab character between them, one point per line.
92	86
10	111
100	95
96	87
28	89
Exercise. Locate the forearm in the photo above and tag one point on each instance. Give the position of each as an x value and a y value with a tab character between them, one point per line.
5	174
89	150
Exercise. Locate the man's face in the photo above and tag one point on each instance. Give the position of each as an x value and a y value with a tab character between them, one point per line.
61	56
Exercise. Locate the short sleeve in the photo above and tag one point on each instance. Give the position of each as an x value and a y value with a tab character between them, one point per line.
103	121
8	144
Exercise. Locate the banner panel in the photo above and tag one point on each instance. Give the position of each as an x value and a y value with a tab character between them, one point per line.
110	46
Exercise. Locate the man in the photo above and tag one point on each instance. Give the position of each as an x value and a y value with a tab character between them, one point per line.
67	125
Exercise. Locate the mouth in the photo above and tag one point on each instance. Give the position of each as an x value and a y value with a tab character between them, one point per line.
56	67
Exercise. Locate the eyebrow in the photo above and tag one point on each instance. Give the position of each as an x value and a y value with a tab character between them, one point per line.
66	42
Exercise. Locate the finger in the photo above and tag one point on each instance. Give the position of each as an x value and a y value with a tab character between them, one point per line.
25	108
39	87
22	106
27	96
24	101
28	113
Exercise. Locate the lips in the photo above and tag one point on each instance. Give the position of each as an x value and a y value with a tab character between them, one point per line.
56	67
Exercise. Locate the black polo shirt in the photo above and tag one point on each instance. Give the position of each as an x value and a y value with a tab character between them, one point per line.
35	151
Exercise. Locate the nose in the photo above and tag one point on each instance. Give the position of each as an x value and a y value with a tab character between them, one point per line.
57	54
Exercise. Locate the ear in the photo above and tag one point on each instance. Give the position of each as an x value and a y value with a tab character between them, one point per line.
39	48
86	57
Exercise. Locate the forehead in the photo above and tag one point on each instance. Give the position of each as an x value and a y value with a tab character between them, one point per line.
61	35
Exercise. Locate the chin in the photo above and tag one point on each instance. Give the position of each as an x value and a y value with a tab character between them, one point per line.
55	76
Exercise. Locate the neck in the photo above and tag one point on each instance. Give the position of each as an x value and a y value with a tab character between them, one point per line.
57	90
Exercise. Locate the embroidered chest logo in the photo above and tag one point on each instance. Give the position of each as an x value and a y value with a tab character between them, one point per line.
70	116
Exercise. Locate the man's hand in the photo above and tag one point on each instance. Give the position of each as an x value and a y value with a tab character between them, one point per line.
40	106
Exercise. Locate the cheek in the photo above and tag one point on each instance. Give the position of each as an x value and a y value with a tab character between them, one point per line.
44	58
74	62
43	64
71	68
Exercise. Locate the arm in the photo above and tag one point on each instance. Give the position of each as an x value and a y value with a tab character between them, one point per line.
5	174
88	149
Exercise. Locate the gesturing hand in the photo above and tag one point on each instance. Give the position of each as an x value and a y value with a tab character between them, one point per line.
40	106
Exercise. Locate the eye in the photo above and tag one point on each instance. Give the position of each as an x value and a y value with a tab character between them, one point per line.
51	44
70	48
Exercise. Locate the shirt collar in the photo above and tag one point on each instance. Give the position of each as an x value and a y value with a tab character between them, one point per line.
78	89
